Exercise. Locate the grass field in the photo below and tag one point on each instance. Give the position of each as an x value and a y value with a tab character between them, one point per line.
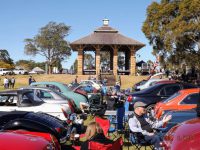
22	80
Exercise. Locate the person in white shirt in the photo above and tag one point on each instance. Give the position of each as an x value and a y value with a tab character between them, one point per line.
5	83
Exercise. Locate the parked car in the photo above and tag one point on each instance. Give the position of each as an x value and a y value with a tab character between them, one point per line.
159	75
139	84
26	100
20	71
182	100
49	95
94	83
5	71
26	140
184	136
80	100
147	84
157	93
37	122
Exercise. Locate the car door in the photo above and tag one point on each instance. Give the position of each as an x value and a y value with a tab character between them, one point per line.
168	90
189	102
29	102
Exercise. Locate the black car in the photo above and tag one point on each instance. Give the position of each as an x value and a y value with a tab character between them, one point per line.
157	93
37	122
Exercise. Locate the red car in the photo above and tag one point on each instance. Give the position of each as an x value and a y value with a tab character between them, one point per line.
185	136
25	140
183	100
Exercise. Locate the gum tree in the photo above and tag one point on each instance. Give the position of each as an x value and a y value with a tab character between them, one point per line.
173	29
50	42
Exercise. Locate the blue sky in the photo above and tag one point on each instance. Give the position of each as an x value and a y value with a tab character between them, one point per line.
20	19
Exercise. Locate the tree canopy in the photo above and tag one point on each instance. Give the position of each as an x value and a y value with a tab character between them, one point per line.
173	29
50	43
30	64
5	60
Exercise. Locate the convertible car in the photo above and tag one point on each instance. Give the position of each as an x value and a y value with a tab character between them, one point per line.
26	140
37	122
26	100
80	100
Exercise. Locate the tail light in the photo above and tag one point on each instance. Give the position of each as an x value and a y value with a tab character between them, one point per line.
129	99
71	106
65	114
58	130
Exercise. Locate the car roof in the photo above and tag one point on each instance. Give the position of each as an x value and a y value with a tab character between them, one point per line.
47	82
166	81
13	92
193	90
36	87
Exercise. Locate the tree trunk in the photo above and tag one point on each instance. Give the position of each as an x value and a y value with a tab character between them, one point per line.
49	70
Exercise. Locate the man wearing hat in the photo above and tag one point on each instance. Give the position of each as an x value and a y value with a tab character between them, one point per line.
139	123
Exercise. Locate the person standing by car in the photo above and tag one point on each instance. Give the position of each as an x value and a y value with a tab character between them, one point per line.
76	79
139	123
29	80
5	83
12	82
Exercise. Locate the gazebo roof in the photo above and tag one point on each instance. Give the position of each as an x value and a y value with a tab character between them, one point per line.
106	35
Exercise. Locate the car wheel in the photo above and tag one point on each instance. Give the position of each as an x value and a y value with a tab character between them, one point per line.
150	111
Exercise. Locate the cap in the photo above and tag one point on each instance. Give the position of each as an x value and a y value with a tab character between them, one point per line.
139	104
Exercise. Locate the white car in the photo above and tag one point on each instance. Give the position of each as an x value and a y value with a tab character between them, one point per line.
147	84
26	100
20	71
91	82
160	75
5	71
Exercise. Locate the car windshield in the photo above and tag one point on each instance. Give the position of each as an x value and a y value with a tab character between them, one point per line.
171	97
30	95
60	94
149	89
143	82
68	89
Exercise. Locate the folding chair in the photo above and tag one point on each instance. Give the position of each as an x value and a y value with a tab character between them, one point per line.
99	146
104	123
137	139
118	144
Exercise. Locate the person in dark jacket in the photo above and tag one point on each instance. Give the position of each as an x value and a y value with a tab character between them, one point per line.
95	133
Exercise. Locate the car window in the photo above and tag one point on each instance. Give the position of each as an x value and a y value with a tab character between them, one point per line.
152	83
171	97
172	89
4	98
53	87
169	90
162	91
191	99
188	86
44	94
26	98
